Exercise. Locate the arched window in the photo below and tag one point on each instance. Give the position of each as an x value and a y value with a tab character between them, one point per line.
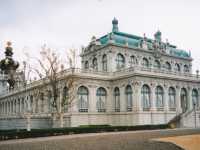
95	64
168	66
65	99
50	101
129	93
117	99
159	97
42	102
184	102
157	64
195	97
83	99
86	66
18	105
172	101
177	67
133	60
145	62
146	97
31	103
186	68
101	99
104	62
120	61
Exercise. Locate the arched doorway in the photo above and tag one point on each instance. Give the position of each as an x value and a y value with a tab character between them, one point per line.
184	102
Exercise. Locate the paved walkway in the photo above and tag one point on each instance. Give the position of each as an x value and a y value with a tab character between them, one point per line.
134	140
188	142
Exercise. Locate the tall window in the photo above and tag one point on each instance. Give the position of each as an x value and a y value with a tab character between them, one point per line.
186	68
86	65
157	64
159	97
184	101
42	102
133	61
101	99
117	99
145	62
172	96
129	93
120	61
195	97
31	103
146	97
104	62
168	66
83	99
177	67
50	102
65	99
95	64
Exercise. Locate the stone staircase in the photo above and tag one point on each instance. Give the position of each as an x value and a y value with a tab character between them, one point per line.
188	119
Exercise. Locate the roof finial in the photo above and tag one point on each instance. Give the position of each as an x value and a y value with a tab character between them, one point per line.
115	25
157	36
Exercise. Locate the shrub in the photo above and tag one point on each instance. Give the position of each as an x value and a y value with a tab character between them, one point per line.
20	134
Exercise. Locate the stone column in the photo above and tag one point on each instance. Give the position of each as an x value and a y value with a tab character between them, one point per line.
123	102
109	100
46	104
137	103
92	99
166	99
153	98
189	99
178	100
28	103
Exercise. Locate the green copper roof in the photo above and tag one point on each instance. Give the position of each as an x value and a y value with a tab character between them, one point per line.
121	38
133	41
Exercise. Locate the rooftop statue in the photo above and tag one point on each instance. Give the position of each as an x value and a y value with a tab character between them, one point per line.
8	65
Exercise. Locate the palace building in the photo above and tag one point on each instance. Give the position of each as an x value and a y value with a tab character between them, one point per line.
124	79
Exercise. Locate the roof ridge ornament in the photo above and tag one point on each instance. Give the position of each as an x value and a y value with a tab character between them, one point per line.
157	36
115	25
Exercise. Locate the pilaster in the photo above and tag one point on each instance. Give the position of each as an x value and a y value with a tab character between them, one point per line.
189	98
178	100
122	99
153	97
92	99
166	98
137	104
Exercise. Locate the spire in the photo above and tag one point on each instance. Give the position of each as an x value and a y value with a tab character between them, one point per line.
115	25
157	36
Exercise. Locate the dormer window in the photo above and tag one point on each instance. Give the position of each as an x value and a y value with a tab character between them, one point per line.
120	61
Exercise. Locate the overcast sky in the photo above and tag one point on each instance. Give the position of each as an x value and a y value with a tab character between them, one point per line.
63	24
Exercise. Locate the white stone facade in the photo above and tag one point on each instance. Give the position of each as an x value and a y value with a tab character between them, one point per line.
117	85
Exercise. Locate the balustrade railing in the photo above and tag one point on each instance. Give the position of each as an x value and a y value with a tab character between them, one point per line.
91	72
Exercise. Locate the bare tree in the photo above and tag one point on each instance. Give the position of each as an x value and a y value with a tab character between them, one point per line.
50	70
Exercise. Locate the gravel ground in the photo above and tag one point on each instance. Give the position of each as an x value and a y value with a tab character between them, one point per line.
138	140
